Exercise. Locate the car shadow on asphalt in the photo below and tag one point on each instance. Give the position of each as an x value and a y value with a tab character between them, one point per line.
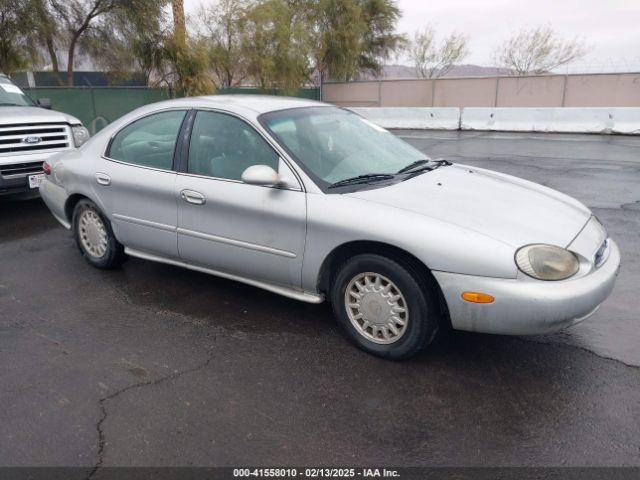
22	216
216	302
200	298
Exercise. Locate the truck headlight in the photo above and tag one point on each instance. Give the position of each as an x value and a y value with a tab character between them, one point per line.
80	135
547	262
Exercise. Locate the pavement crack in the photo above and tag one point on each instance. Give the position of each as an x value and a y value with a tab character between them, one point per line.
104	414
634	206
603	356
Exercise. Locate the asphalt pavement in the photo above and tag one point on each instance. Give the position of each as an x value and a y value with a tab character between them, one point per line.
154	365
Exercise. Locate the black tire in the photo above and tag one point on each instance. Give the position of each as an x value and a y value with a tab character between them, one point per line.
417	290
114	254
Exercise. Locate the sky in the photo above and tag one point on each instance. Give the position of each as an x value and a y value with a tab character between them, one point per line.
611	28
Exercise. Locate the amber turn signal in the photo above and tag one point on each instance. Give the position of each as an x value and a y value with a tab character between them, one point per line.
476	297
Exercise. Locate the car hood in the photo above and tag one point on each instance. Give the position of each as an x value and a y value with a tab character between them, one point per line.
17	115
506	208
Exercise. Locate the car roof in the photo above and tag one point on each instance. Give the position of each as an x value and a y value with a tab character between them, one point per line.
260	103
257	104
249	107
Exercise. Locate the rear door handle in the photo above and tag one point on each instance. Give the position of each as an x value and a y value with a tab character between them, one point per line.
103	179
192	196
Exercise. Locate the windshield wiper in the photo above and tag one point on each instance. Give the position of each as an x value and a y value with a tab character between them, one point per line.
3	104
424	165
412	165
369	177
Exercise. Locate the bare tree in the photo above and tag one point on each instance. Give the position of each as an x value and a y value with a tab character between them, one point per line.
433	58
77	16
130	40
538	50
47	31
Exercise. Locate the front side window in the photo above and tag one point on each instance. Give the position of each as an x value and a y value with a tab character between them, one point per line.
12	95
223	146
150	141
333	144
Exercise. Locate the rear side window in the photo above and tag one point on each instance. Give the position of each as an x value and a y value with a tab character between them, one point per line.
223	146
150	141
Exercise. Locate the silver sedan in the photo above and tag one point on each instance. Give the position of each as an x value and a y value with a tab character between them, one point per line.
314	202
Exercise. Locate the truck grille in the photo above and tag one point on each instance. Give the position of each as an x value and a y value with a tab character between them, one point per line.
32	138
20	169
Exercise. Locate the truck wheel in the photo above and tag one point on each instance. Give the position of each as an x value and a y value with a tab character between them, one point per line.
94	236
386	308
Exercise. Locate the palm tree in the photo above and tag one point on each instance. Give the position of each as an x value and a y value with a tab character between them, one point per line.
179	30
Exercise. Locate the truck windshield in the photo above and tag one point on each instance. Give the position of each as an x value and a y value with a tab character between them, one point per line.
11	95
332	144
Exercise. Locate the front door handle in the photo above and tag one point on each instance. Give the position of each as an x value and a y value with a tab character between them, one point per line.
192	196
103	179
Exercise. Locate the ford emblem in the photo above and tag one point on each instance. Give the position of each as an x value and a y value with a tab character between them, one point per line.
32	140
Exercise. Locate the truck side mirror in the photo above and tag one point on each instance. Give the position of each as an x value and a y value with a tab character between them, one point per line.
44	103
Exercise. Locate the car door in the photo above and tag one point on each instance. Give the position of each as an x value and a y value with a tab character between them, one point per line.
139	181
224	224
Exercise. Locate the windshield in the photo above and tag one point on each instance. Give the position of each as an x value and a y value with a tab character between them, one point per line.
332	144
11	94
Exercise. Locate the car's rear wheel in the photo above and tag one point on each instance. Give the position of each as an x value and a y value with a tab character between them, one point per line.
387	307
94	236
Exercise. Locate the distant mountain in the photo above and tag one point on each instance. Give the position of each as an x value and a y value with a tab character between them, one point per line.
391	72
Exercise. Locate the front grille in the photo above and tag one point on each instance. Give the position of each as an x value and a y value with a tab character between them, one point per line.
30	138
20	169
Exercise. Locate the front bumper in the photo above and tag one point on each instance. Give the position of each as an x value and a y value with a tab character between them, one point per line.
14	186
16	183
12	182
526	306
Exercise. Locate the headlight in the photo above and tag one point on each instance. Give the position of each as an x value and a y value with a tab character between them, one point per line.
80	135
546	262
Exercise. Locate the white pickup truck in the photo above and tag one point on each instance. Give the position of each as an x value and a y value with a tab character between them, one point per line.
29	134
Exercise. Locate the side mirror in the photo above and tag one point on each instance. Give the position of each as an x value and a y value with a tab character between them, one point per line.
44	103
261	175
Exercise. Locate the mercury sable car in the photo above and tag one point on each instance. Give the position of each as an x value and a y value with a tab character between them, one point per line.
314	202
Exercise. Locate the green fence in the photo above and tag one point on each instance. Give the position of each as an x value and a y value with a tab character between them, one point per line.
96	107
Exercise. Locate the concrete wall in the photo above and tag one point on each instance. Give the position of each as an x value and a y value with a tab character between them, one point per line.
467	92
596	90
419	118
625	120
405	94
362	94
603	90
530	91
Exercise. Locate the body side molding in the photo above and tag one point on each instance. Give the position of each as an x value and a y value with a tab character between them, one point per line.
300	295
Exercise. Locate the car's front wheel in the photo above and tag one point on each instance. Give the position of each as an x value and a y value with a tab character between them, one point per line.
387	308
94	236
